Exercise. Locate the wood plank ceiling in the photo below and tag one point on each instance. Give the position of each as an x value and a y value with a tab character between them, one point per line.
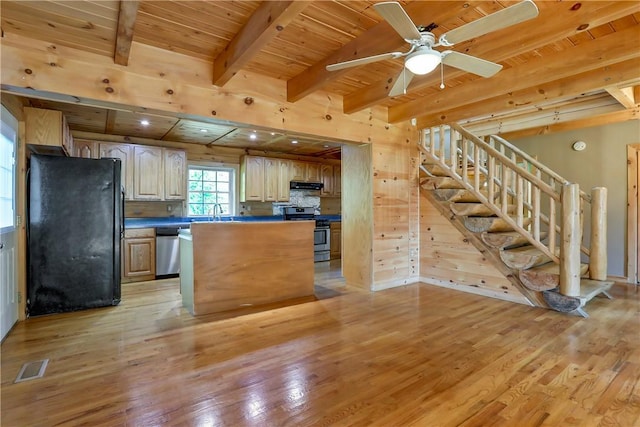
576	63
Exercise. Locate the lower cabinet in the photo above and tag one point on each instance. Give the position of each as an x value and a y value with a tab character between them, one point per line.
335	242
139	255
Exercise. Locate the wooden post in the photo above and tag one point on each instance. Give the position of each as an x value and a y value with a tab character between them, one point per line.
598	257
570	244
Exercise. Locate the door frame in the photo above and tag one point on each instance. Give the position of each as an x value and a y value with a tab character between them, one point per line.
14	234
633	208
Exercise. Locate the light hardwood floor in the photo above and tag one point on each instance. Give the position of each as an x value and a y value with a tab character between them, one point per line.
416	355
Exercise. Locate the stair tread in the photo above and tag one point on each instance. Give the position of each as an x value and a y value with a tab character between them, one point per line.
590	288
554	268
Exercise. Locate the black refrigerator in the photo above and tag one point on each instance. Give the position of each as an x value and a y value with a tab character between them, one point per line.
75	224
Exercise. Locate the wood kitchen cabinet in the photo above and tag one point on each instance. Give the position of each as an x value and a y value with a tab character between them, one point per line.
313	172
139	255
331	180
148	179
175	174
47	132
252	179
327	180
124	153
271	174
86	149
335	240
284	178
298	171
337	180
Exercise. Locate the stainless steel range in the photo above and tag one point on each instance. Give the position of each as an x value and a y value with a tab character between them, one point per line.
321	234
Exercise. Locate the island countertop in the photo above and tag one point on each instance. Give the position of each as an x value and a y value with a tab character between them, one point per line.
230	265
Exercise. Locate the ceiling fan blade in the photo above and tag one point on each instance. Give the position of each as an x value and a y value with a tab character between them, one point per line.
396	16
470	63
361	61
401	83
504	18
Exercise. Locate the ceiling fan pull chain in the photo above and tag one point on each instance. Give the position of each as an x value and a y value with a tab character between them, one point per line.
441	75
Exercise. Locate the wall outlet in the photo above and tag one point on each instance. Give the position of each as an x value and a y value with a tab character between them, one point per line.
169	208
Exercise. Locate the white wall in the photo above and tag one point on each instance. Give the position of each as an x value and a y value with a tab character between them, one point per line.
602	164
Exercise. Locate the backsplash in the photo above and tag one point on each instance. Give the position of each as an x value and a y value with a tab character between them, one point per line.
304	199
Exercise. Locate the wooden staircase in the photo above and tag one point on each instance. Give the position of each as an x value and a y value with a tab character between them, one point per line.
528	217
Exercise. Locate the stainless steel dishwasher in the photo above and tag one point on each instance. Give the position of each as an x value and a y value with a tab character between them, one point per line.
167	252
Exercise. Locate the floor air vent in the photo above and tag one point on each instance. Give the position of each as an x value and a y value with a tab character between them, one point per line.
32	370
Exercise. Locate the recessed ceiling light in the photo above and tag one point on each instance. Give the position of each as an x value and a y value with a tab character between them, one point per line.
253	136
295	141
144	122
326	146
273	133
204	130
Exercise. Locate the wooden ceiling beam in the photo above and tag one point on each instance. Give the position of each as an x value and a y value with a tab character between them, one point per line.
607	50
555	22
380	38
124	36
623	95
592	121
267	21
620	73
574	110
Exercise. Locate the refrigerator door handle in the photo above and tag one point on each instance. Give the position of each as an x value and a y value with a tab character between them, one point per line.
121	213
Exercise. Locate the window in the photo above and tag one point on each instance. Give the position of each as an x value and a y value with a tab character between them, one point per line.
7	163
208	187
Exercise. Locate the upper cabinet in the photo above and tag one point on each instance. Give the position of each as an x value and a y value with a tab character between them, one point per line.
313	172
298	171
124	152
284	178
47	132
175	174
148	182
331	180
267	179
252	179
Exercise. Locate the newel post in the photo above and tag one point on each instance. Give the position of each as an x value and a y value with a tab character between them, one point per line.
571	238
598	253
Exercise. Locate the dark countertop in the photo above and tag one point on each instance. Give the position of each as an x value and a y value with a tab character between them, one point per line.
186	221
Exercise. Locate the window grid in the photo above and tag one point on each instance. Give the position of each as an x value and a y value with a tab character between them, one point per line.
209	186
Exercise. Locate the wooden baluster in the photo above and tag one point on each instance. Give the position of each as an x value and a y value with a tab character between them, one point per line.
476	168
490	179
453	154
552	220
536	209
519	200
432	138
443	141
504	195
570	246
465	153
598	257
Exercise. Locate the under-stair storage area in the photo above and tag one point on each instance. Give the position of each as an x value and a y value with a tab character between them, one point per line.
545	235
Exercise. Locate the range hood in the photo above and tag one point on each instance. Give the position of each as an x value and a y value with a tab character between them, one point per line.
300	185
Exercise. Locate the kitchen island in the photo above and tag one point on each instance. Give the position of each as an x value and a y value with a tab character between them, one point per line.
231	265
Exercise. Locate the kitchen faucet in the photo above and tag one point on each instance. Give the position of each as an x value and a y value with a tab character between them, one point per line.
217	212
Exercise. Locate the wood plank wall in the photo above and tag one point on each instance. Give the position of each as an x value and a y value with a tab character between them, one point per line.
395	211
357	216
448	260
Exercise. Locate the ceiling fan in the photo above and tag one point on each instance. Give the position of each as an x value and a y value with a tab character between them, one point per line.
422	58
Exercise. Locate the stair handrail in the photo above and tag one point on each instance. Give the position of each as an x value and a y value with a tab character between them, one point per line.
534	162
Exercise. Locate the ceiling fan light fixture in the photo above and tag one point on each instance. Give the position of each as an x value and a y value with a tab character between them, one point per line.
422	61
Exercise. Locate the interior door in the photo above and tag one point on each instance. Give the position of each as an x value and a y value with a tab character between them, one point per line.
8	253
637	217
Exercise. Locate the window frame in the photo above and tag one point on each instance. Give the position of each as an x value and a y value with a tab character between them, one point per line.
233	190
